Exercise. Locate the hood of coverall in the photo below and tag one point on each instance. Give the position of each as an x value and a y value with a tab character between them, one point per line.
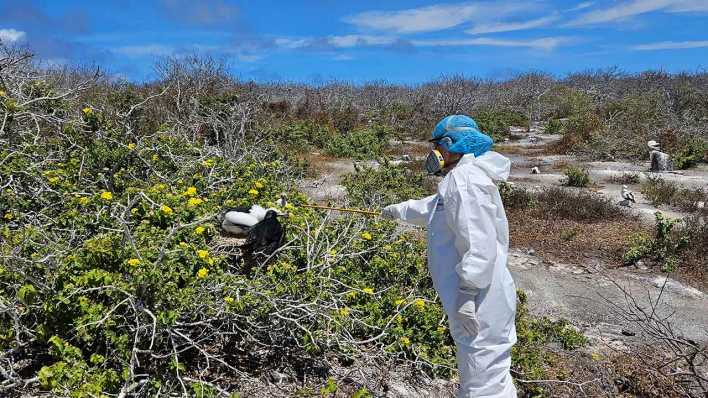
494	165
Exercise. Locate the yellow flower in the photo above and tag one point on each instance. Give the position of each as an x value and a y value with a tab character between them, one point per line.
202	273
87	111
441	329
3	94
155	158
366	236
344	312
350	295
53	180
419	304
253	192
83	201
199	230
134	211
229	300
202	254
183	245
166	210
208	163
105	195
134	262
289	206
191	191
194	202
405	341
131	146
7	216
399	302
368	290
259	185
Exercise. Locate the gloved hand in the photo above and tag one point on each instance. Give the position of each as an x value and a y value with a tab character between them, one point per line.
390	212
467	311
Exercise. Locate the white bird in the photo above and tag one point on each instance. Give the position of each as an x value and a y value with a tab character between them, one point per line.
239	221
653	145
627	194
282	201
535	170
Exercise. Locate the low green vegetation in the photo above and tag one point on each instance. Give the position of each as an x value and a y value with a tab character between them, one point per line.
561	203
496	123
530	357
361	144
664	247
376	187
660	191
576	176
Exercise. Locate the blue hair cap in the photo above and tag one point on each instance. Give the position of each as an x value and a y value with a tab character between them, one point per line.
465	134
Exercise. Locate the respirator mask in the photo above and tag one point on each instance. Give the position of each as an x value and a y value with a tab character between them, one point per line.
435	163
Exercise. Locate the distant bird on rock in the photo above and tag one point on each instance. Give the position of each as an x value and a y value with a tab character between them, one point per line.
653	145
535	170
627	194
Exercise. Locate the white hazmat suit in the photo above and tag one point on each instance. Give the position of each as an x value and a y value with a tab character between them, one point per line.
468	241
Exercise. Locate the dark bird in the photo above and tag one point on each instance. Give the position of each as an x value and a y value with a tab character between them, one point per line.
266	236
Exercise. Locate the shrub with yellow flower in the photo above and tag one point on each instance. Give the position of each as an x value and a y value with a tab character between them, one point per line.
208	163
202	254
166	210
366	236
84	200
344	312
399	302
131	146
155	158
229	300
368	290
259	185
202	273
194	202
199	230
191	191
253	192
107	196
87	111
134	262
405	341
419	304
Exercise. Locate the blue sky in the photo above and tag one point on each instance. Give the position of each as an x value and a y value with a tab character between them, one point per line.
397	41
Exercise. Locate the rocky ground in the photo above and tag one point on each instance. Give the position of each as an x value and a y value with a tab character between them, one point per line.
590	293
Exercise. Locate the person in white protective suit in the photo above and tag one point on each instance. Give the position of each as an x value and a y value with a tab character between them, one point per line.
468	240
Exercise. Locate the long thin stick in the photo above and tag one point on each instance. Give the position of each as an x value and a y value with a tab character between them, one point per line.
367	212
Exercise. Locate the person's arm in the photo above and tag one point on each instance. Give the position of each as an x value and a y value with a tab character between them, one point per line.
412	211
471	214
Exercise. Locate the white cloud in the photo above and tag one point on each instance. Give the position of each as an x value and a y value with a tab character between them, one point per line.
11	35
546	43
690	6
357	40
638	7
671	45
512	26
581	6
343	41
433	18
144	50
